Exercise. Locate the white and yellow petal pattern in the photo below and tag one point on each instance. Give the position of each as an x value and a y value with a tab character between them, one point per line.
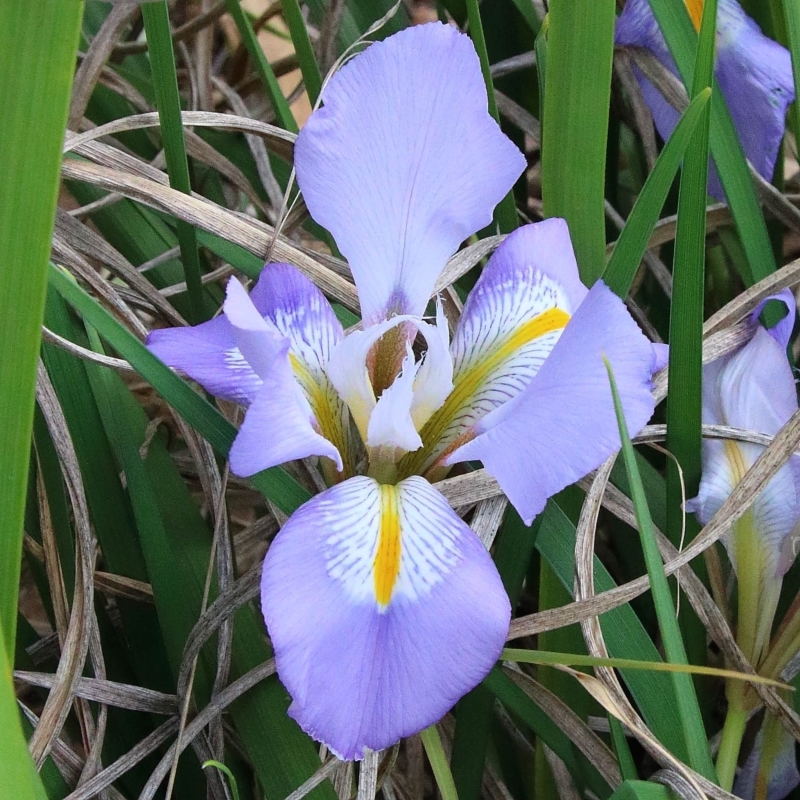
384	608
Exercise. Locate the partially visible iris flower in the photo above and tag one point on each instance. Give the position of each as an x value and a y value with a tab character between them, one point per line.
754	74
382	605
754	389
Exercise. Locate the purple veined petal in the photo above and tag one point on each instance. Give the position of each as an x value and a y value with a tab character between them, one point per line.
754	75
208	354
258	340
279	425
383	608
562	425
511	321
297	412
390	423
403	162
772	761
781	332
298	311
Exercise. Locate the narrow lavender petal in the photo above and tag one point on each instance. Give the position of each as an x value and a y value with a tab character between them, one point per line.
208	354
300	311
361	674
279	426
782	332
563	425
403	162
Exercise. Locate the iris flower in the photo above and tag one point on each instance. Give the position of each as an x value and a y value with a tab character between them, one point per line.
754	389
754	74
382	605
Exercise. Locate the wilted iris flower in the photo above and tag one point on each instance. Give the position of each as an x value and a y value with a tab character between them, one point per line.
382	605
754	389
754	74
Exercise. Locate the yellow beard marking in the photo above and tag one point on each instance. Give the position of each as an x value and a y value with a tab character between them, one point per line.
386	567
736	462
470	382
320	403
695	9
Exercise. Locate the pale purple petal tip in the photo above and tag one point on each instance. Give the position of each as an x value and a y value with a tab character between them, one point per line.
403	162
362	675
563	424
782	776
781	332
208	354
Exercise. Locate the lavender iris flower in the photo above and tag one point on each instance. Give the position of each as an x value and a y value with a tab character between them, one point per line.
754	74
382	605
770	771
753	389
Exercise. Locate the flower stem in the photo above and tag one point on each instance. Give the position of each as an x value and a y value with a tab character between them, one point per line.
728	756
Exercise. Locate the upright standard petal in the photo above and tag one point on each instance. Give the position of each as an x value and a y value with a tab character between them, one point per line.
383	608
287	420
562	425
208	354
511	321
403	162
754	75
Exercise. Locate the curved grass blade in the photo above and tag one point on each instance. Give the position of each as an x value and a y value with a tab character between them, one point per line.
632	243
580	49
168	103
688	708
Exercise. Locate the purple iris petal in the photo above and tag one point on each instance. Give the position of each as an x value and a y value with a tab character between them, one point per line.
403	162
208	354
383	608
563	425
754	75
780	770
752	389
512	319
782	332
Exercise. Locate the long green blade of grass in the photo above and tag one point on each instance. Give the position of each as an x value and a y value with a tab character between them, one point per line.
302	46
262	66
505	214
580	48
724	142
168	103
632	243
688	708
37	59
686	319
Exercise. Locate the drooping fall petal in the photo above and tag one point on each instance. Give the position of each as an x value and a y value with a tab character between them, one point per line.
754	74
562	425
383	608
